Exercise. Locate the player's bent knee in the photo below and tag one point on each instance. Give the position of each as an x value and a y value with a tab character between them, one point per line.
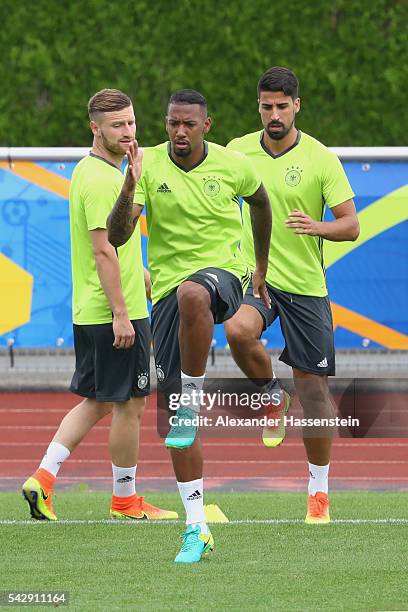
312	396
104	408
192	296
132	409
238	332
312	388
138	406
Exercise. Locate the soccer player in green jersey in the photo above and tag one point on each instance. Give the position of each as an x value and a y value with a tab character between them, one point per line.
191	188
302	177
111	325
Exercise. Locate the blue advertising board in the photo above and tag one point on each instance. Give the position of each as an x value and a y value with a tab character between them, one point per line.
367	279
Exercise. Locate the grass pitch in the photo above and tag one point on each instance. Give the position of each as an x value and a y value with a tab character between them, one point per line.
255	566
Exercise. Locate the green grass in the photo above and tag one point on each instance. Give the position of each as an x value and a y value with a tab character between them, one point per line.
254	567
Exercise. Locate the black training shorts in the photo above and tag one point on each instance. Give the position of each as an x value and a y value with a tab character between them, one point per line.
106	373
226	292
307	326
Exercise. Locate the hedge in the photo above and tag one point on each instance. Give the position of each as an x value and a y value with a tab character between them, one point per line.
350	57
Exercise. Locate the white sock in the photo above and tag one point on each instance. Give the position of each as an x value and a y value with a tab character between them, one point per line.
54	457
124	480
273	388
191	386
319	478
192	496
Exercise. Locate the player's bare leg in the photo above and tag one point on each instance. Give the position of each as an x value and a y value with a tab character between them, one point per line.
195	336
124	449
196	327
79	421
38	488
314	396
124	431
243	332
188	469
188	463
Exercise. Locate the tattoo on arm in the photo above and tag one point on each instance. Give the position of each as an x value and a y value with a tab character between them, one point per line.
121	222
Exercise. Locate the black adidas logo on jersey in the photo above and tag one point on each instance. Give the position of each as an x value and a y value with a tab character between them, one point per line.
164	188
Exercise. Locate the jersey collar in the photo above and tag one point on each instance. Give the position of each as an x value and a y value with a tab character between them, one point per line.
103	159
261	140
195	165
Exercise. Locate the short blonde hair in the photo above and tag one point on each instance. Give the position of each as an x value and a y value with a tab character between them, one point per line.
106	101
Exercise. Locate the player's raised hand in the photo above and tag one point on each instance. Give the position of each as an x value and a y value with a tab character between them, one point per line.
259	288
300	223
134	170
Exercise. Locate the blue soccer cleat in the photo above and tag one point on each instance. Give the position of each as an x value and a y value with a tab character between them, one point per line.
196	545
182	433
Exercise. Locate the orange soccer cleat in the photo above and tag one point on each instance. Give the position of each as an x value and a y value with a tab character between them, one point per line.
38	491
318	509
135	507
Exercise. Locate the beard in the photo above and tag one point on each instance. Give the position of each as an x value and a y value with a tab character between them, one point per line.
284	131
277	135
113	147
182	152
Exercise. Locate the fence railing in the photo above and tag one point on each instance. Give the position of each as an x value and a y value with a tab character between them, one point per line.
75	153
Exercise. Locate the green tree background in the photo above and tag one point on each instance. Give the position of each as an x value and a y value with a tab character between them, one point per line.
351	58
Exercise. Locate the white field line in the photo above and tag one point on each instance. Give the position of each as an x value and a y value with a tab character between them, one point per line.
216	461
354	443
273	478
378	521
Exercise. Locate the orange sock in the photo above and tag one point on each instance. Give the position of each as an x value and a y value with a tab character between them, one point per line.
45	478
123	503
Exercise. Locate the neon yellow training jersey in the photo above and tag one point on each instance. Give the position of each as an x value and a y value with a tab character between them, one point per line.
308	177
95	186
193	217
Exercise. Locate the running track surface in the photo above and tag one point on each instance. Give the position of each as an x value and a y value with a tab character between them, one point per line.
28	422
